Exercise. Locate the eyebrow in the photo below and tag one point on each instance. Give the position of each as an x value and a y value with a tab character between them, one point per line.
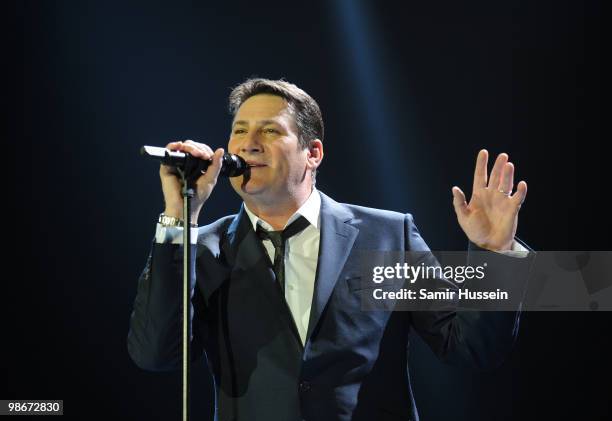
262	122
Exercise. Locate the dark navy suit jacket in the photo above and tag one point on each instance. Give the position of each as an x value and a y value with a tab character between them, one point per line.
353	365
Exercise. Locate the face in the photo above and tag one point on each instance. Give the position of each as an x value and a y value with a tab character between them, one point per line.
265	134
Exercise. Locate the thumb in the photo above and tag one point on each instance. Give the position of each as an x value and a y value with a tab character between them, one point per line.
213	170
459	202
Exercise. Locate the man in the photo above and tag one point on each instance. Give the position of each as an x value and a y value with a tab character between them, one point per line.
280	321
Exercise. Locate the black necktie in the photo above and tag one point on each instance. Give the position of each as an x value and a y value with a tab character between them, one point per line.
279	238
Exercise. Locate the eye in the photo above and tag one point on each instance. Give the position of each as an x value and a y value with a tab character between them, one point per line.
270	130
239	131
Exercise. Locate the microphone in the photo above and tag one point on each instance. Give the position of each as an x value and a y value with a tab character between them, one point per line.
232	165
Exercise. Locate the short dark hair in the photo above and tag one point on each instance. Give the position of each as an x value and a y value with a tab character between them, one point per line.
304	108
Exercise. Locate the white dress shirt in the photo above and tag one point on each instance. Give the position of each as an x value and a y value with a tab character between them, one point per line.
301	256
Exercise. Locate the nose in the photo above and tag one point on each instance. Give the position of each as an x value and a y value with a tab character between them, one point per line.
251	143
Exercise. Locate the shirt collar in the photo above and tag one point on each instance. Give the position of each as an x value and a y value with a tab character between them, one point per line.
310	210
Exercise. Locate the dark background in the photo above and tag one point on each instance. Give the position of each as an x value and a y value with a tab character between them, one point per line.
409	91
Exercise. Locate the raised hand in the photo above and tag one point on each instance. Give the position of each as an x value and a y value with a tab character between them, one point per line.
490	218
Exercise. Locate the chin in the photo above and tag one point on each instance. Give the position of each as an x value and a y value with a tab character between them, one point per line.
248	188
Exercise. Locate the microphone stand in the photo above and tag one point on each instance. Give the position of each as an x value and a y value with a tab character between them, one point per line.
189	169
188	193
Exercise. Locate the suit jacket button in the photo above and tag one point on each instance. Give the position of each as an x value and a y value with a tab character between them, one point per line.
304	386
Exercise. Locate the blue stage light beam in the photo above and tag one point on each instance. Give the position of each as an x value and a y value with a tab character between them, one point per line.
364	55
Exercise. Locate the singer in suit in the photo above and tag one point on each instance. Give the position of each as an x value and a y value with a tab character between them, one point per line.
277	293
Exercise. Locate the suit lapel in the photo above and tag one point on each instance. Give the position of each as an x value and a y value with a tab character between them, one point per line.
249	259
337	238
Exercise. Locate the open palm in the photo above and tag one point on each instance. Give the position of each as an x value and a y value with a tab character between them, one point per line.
490	218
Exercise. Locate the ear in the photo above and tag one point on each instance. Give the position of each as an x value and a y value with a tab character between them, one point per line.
315	154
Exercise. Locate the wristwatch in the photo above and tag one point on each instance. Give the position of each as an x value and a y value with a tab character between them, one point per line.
172	221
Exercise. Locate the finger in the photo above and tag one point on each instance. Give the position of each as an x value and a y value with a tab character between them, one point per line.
174	146
197	149
521	193
459	201
201	146
507	180
496	172
167	169
480	172
206	148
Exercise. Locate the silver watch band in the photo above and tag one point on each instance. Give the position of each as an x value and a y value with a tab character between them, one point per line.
172	221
